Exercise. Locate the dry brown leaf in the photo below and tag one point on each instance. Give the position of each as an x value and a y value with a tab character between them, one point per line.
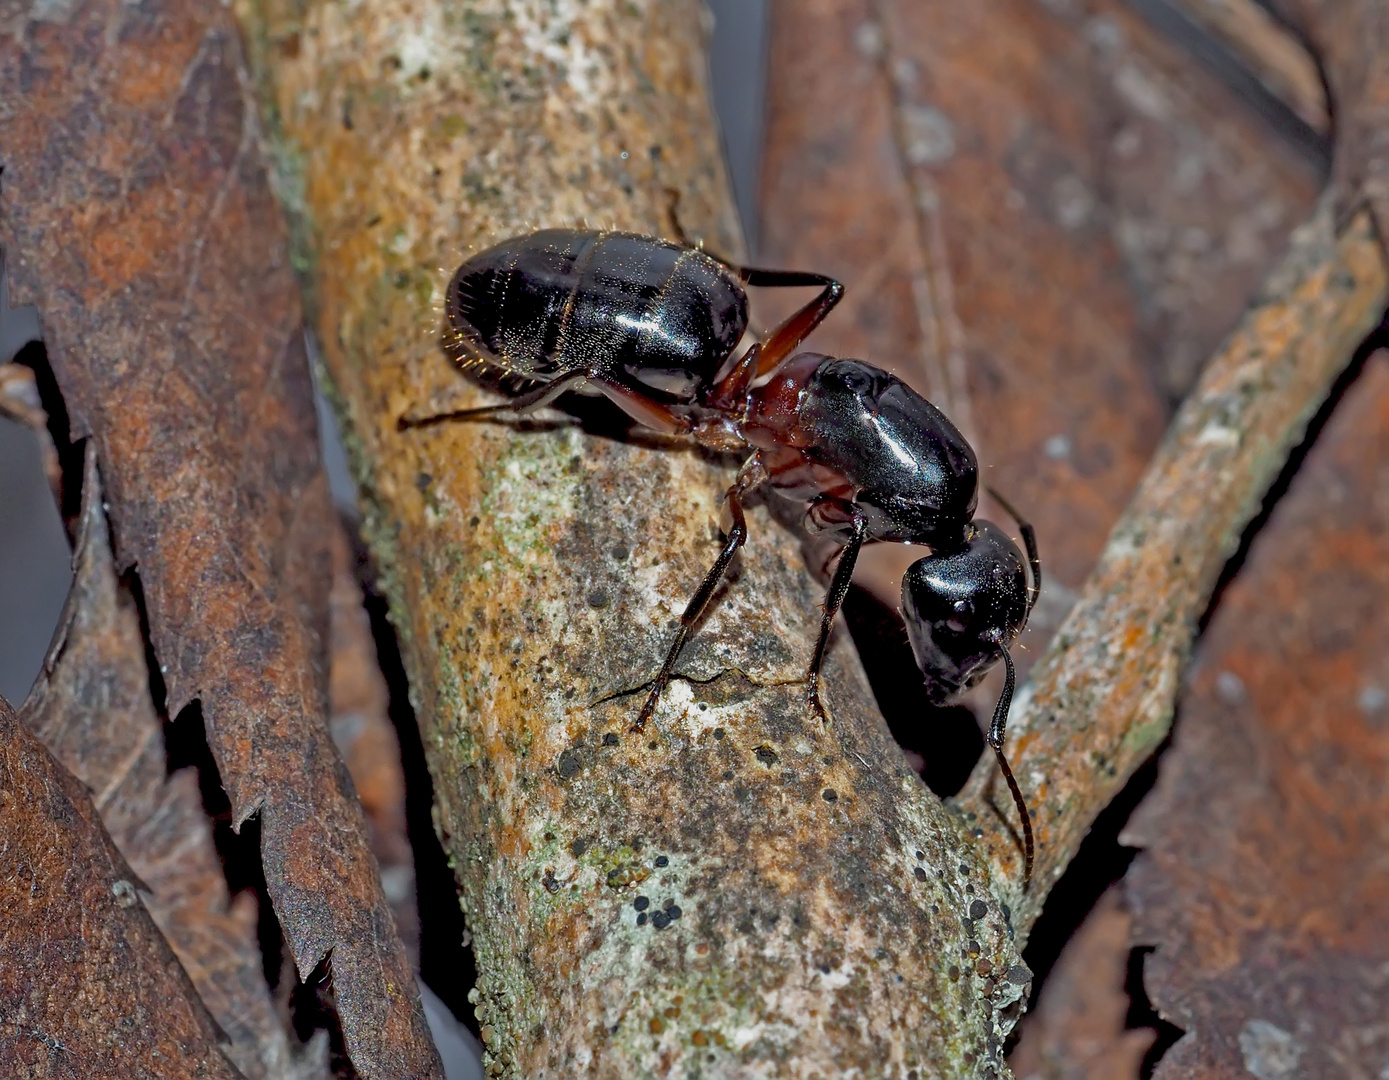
92	709
1264	880
359	702
1046	218
1076	1030
88	985
138	221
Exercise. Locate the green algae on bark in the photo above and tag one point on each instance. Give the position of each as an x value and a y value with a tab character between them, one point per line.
741	891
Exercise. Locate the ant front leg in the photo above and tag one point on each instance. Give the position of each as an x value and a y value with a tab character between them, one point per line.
752	474
839	588
995	741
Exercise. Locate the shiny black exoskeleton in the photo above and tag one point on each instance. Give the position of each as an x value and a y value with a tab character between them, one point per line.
655	327
647	322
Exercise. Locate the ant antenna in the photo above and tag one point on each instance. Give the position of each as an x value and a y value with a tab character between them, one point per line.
1029	539
995	740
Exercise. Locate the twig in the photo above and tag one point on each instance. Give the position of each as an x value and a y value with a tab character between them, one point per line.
1102	697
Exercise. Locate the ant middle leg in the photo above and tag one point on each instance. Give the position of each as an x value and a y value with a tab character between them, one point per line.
834	600
750	476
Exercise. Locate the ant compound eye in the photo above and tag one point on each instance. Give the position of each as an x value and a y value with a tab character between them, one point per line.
959	622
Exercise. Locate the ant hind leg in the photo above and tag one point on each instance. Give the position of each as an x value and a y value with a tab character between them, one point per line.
749	477
531	400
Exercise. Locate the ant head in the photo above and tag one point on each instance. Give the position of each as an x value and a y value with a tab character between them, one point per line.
962	606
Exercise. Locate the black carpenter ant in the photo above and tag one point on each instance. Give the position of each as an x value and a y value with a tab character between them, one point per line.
653	325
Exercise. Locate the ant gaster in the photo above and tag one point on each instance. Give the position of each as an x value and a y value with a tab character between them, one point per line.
654	326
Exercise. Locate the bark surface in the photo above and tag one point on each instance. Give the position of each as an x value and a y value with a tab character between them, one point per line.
810	908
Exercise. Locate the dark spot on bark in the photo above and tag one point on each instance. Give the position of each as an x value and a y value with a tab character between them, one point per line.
766	755
660	920
824	969
718	733
969	889
610	739
474	521
964	868
670	903
423	480
920	855
1019	975
641	903
920	874
984	966
568	765
597	599
968	925
674	911
954	973
620	553
641	919
829	795
978	909
974	949
661	860
728	774
578	847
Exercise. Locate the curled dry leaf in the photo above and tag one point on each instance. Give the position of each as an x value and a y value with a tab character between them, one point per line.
739	883
1272	948
92	709
1102	698
1350	39
137	219
88	985
1266	48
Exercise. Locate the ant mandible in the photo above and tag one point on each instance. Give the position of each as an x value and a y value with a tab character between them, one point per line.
653	326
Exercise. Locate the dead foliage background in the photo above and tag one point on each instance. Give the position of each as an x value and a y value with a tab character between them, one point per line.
1047	215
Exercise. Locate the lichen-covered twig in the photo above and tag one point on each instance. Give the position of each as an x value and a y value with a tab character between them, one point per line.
1101	699
741	890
